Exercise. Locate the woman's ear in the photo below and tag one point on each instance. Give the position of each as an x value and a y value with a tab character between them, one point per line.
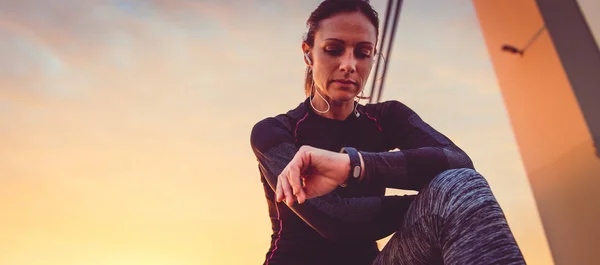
306	52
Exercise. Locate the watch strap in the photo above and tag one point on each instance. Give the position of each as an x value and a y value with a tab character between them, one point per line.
355	167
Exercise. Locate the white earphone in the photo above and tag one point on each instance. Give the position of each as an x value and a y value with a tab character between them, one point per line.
307	58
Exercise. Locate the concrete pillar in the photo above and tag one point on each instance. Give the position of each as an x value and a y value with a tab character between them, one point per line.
552	96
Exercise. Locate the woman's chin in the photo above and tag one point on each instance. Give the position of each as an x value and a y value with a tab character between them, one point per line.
342	95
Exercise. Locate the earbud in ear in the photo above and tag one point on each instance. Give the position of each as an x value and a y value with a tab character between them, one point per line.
308	58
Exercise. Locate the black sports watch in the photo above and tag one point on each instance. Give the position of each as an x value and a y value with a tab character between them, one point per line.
355	167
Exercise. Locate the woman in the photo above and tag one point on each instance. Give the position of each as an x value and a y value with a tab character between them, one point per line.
341	209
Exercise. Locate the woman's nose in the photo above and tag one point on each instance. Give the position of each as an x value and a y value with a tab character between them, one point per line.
348	63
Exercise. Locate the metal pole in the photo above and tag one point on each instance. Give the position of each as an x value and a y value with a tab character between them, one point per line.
381	47
389	51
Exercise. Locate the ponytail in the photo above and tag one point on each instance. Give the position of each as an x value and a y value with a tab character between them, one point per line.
308	81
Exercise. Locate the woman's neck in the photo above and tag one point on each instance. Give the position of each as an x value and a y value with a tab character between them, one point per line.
338	110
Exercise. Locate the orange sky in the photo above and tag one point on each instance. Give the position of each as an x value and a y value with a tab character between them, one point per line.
125	125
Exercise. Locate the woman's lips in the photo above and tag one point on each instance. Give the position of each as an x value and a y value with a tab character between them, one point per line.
345	82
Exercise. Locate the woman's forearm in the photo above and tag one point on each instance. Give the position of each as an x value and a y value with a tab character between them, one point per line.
411	169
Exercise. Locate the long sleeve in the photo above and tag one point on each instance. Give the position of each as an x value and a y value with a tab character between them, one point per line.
332	216
424	152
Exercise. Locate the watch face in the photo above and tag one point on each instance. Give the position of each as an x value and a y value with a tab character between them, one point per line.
356	172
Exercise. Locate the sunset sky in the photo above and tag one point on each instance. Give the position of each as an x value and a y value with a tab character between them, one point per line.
125	125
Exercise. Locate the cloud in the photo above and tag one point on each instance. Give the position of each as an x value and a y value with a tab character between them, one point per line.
89	36
22	57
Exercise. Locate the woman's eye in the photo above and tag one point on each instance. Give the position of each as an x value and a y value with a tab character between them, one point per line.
334	51
363	54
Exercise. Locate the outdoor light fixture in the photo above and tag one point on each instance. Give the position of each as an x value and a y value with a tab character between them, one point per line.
514	50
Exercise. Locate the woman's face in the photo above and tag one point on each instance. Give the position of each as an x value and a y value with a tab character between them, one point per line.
342	55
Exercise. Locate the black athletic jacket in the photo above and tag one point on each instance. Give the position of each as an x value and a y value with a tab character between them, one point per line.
342	226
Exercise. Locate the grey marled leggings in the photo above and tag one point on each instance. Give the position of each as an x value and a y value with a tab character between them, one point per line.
454	220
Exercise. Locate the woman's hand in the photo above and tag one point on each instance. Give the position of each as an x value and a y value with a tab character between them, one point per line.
311	173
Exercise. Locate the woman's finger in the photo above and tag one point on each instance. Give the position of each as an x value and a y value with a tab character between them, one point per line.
295	180
287	191
278	190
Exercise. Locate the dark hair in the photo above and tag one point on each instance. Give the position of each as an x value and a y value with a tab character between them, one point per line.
327	9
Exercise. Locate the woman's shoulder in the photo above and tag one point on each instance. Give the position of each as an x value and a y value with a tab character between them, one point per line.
286	119
389	108
278	125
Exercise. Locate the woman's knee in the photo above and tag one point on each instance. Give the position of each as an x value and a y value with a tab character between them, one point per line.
453	189
448	191
457	180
